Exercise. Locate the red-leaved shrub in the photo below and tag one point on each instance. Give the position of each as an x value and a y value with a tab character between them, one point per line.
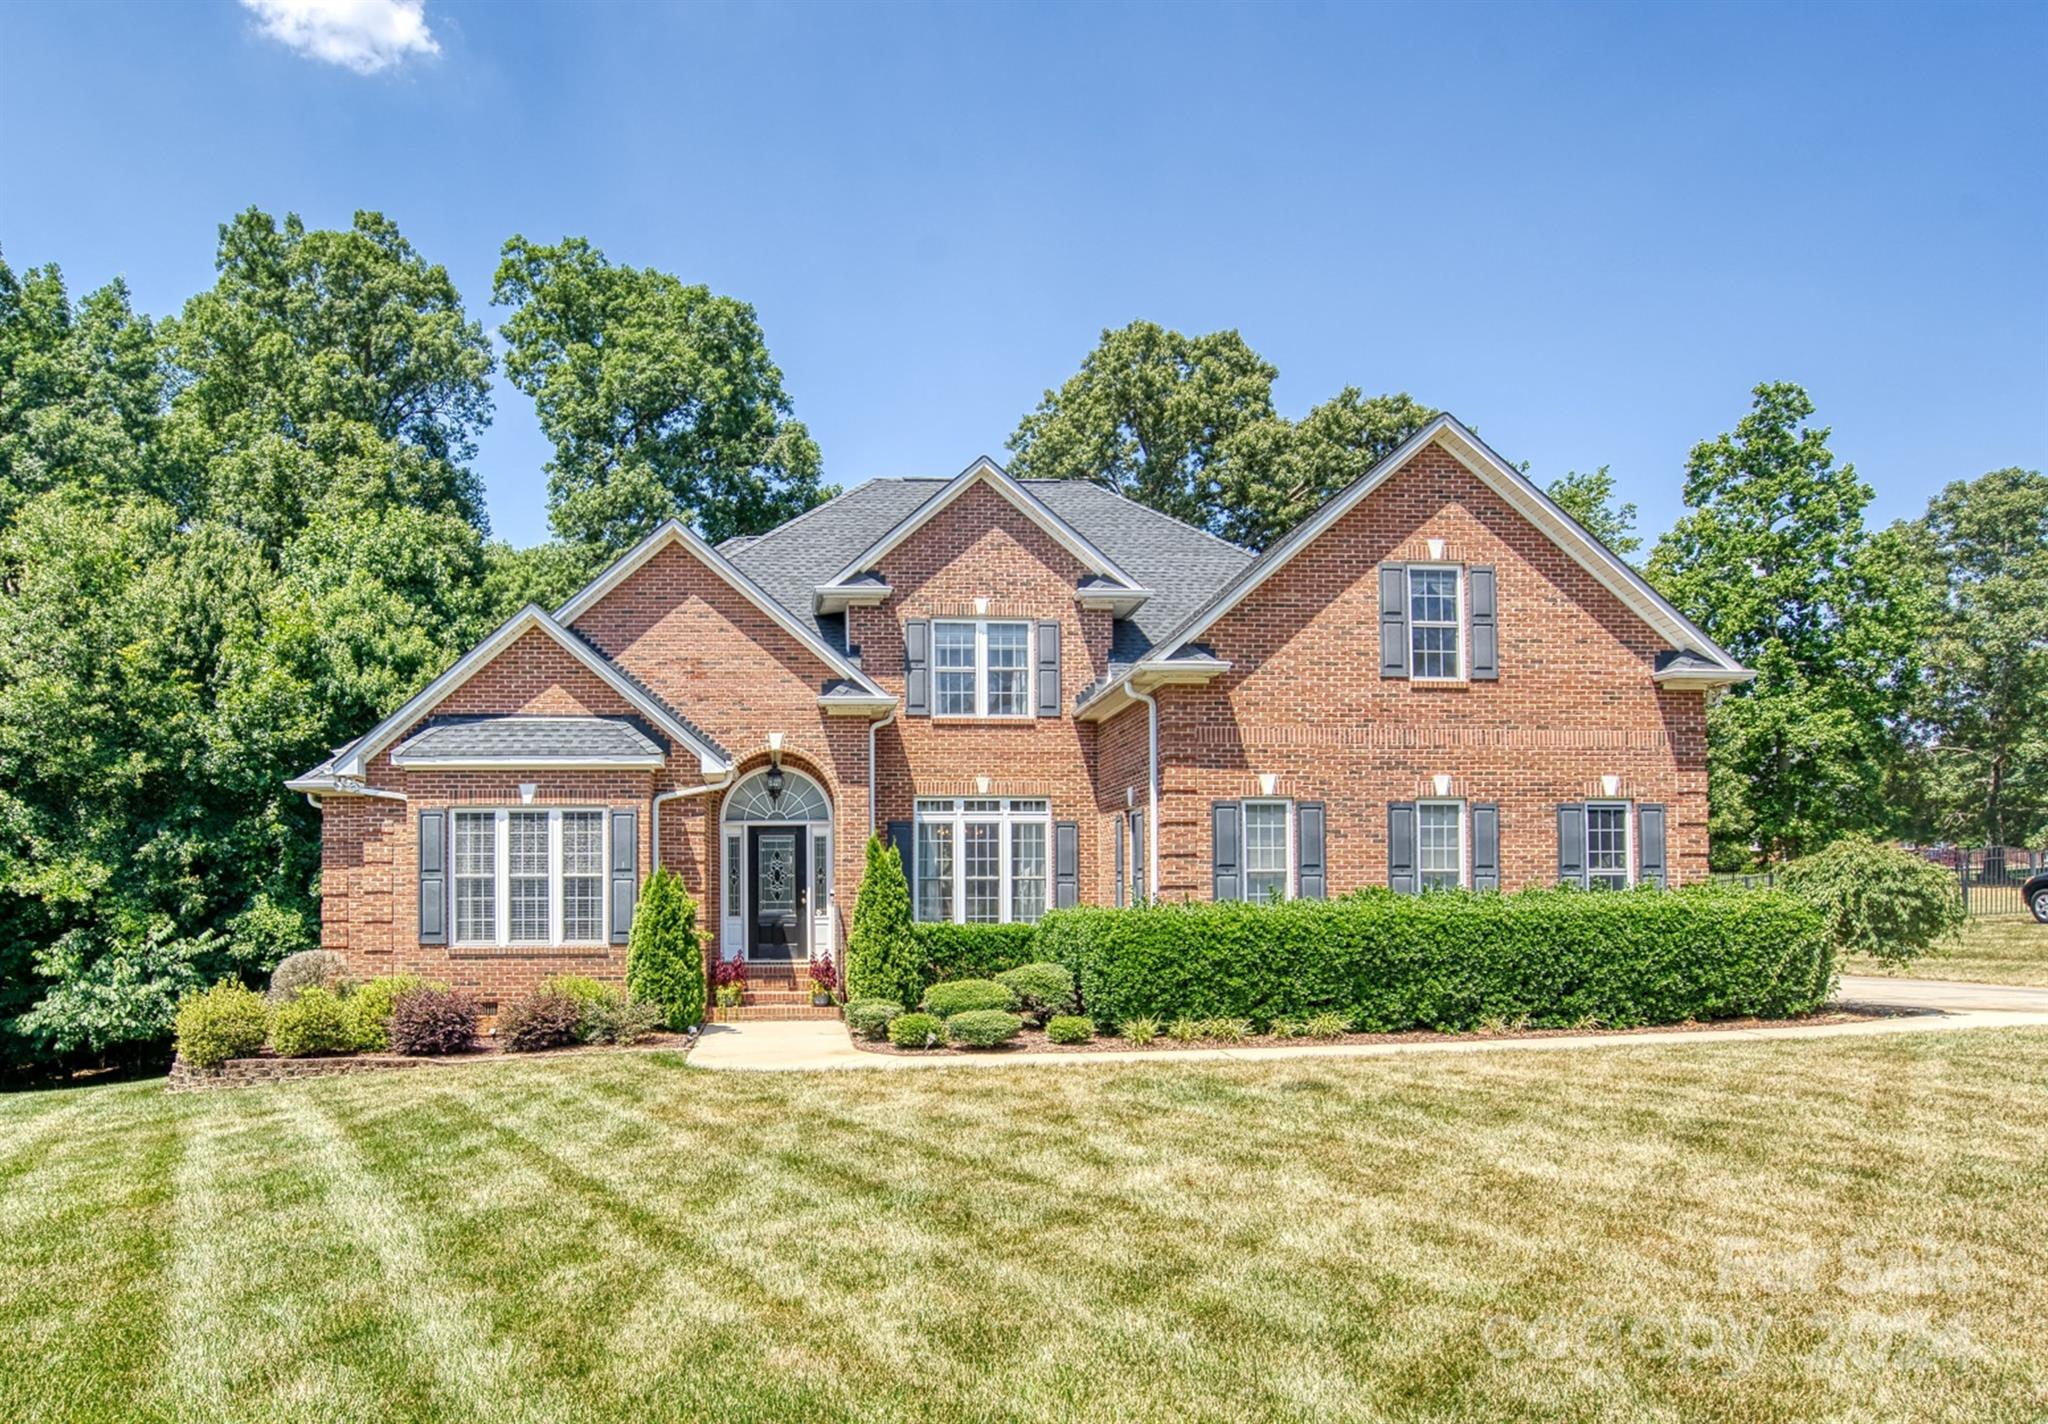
427	1022
546	1018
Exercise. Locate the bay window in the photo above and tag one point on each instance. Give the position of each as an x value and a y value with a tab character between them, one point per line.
982	860
528	877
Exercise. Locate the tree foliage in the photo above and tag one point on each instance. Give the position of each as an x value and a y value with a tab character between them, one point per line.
1275	472
660	398
665	953
882	960
1589	498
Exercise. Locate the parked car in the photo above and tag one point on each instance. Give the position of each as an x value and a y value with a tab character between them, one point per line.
2035	893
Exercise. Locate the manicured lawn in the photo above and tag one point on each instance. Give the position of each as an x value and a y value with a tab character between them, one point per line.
1851	1229
2003	951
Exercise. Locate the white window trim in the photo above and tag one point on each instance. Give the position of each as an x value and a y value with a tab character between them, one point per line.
1628	840
926	812
1290	888
1457	571
1464	840
981	712
501	878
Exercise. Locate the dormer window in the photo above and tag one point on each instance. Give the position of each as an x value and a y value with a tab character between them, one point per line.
981	668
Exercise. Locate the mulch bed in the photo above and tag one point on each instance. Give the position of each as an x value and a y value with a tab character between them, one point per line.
1033	1041
269	1067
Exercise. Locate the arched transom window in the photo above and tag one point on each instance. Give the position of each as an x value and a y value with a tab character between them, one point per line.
801	799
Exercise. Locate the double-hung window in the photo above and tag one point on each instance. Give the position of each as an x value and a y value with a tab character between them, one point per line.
1440	844
1607	849
1435	623
983	860
981	668
1268	850
529	877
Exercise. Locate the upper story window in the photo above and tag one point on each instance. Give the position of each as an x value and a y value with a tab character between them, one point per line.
981	668
1435	622
529	877
983	860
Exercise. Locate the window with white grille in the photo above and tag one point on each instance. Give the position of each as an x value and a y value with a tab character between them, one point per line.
981	669
1607	845
982	860
1266	851
529	877
476	877
582	877
1440	842
1434	623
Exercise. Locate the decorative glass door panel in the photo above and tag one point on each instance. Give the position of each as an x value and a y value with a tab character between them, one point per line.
776	925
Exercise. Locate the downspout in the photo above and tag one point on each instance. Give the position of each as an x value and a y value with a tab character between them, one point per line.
874	727
654	811
1151	787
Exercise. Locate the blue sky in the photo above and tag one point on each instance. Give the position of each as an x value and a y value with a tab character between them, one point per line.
1587	230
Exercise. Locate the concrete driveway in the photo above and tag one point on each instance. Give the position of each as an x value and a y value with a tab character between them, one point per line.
1917	1006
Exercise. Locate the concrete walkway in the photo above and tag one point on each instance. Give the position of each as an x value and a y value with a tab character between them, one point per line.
1922	1005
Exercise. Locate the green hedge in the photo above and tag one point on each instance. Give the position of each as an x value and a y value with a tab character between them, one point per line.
949	951
1453	960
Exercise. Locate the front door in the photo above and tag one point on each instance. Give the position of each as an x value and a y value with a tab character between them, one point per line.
776	927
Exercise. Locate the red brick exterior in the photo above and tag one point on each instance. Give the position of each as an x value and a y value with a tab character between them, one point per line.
1303	703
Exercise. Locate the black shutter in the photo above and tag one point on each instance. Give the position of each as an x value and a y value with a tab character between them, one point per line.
1401	875
1119	862
917	670
1650	854
625	872
1571	845
1308	850
1485	635
433	877
1066	864
1393	620
1485	847
1048	669
1225	882
899	837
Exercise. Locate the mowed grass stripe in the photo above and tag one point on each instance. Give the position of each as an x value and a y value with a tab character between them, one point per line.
85	1245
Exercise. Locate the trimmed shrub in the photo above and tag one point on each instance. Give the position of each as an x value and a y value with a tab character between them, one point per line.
1069	1028
316	1021
882	954
1878	899
1451	960
1042	990
620	1021
429	1021
226	1021
918	1031
664	955
545	1018
961	996
369	1010
870	1018
950	951
983	1028
583	989
308	969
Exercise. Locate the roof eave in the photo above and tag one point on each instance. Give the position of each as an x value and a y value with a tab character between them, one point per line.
538	761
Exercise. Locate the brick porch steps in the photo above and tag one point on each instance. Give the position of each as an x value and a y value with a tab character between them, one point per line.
773	1013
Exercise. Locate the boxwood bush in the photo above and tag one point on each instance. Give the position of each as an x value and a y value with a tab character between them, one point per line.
369	1009
1069	1028
948	951
917	1031
1451	960
226	1021
983	1028
870	1018
1043	990
960	996
316	1021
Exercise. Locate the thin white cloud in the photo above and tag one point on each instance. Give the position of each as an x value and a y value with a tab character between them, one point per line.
363	35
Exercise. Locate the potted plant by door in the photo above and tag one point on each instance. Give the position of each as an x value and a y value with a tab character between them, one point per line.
729	983
824	979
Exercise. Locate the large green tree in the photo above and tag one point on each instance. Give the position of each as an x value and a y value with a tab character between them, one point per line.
1276	472
1773	560
660	398
1589	498
1981	706
1147	416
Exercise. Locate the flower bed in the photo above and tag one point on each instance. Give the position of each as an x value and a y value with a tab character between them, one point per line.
268	1067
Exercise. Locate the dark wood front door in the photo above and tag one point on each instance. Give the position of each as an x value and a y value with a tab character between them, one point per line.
778	920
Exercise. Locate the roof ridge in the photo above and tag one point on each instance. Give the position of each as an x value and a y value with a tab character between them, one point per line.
1136	504
796	519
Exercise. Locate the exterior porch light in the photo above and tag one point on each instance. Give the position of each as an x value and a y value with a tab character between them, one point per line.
775	777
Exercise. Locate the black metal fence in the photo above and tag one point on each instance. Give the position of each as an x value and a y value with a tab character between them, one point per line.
1991	879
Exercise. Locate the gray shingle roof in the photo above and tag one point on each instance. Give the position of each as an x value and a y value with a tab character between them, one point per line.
1180	564
543	738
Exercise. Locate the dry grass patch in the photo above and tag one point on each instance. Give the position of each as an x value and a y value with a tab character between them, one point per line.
2004	951
1848	1229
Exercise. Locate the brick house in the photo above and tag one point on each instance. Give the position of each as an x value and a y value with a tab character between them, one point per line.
1045	695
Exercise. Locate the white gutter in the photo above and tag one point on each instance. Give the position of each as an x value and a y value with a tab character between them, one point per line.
874	727
677	794
1151	788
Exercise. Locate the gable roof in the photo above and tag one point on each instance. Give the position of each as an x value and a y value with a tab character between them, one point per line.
805	631
1614	573
985	471
352	761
